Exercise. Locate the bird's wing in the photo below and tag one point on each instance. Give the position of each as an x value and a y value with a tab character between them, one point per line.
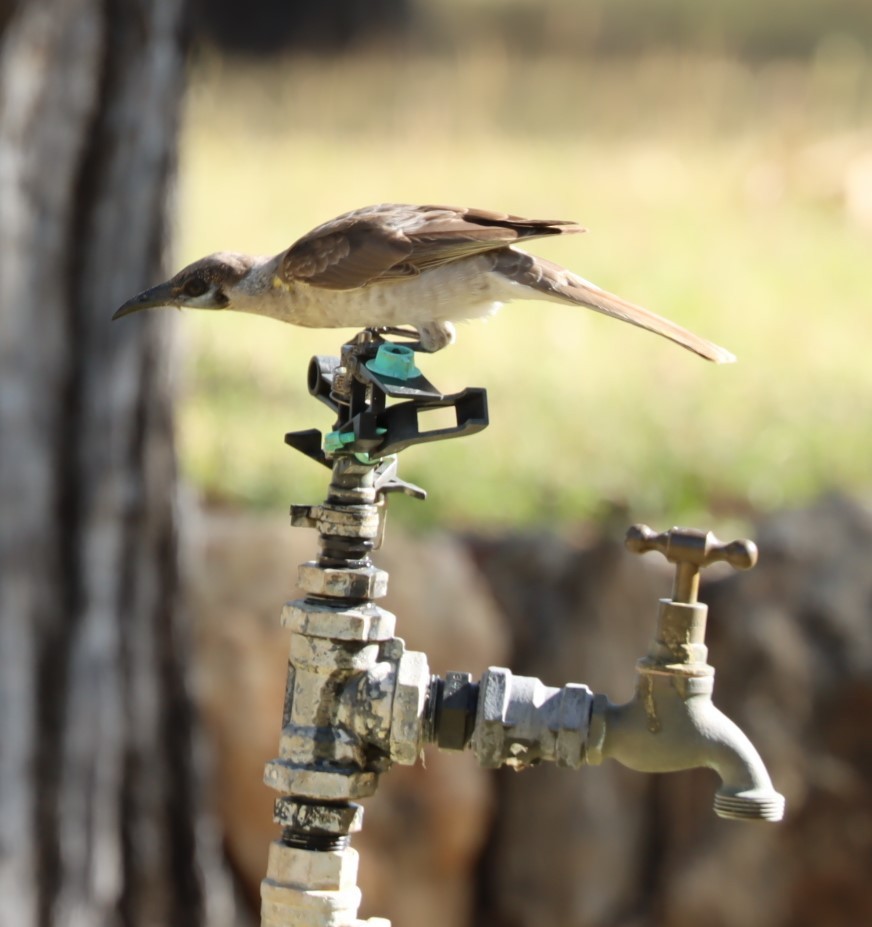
390	241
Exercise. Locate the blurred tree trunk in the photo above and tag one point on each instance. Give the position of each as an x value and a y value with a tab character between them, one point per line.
98	798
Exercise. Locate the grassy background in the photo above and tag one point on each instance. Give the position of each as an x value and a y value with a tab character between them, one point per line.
734	198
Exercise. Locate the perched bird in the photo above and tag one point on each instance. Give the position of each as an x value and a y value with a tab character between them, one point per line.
390	265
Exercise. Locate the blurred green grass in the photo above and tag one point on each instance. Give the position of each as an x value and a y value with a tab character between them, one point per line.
735	199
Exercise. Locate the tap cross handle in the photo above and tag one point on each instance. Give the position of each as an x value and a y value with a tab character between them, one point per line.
690	550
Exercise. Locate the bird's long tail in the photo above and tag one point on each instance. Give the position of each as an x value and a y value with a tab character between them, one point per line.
552	281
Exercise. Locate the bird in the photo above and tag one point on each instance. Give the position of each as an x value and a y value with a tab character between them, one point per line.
393	265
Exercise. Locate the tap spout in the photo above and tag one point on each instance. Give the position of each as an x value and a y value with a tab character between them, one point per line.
672	724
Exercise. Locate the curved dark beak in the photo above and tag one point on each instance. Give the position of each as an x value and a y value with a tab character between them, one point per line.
153	298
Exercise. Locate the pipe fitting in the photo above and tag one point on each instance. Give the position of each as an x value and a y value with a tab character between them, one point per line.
384	708
672	724
520	722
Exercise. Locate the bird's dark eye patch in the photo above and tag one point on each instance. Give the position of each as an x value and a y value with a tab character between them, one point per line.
196	286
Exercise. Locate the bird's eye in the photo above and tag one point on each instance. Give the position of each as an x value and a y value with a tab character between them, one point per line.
196	286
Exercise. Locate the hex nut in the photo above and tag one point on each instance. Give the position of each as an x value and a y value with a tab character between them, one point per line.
286	904
520	721
488	737
351	521
319	870
576	703
364	622
316	817
457	705
329	785
357	583
407	713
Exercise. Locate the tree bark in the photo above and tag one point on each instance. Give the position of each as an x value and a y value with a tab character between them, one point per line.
98	796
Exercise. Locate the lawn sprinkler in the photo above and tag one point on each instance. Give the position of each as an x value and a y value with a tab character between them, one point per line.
357	701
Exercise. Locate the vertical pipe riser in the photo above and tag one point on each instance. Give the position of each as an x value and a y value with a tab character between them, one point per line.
337	633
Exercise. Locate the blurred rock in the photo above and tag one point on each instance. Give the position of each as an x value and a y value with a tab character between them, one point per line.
792	641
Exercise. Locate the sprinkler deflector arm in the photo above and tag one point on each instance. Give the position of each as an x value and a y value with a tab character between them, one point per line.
357	701
357	385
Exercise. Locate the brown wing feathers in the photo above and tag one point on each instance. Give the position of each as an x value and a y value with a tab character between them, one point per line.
344	257
388	241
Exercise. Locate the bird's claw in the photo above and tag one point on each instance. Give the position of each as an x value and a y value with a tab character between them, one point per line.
414	341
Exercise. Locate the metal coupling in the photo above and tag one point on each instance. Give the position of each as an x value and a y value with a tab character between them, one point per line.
451	711
521	722
385	707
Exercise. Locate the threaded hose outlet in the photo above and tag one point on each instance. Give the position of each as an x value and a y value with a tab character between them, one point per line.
753	805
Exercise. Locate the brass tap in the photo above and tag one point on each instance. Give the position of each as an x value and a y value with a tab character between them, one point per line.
671	722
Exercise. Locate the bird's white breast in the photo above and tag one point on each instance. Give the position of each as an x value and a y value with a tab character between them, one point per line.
460	290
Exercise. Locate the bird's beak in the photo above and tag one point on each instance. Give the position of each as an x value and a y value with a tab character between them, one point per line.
157	296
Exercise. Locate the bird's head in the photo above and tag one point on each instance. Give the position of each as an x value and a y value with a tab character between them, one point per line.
205	284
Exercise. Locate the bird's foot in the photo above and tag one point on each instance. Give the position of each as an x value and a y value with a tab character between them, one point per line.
429	338
395	331
436	335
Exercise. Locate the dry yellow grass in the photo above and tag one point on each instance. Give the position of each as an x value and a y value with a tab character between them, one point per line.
737	201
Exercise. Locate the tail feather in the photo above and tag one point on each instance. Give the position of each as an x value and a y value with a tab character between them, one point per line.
581	291
552	281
